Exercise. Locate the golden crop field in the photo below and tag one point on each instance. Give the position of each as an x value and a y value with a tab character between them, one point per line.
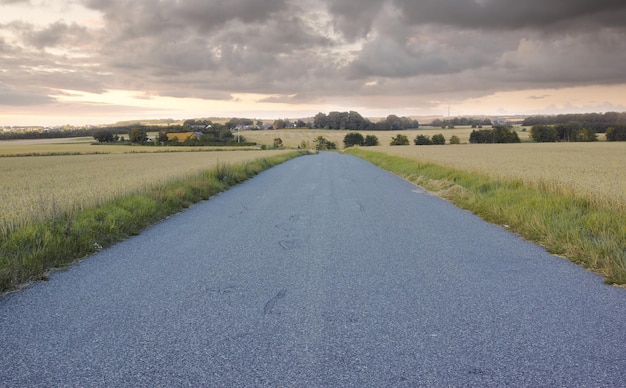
84	145
293	137
592	170
36	187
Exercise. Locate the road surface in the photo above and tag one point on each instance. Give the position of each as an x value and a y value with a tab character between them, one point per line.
323	271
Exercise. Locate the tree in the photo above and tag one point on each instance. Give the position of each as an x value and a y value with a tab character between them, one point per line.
352	139
370	141
499	134
454	139
438	139
544	133
617	133
422	140
320	120
399	140
279	124
162	139
587	134
503	134
138	135
104	136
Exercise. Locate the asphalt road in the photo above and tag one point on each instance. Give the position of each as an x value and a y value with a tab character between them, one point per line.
323	271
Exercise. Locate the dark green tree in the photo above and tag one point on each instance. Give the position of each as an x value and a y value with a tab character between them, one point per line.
439	139
422	140
138	135
617	133
104	136
544	133
352	139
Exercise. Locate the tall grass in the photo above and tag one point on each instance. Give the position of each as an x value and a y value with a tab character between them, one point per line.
589	234
29	251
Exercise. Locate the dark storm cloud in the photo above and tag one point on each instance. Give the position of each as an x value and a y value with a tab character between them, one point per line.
354	18
311	50
508	14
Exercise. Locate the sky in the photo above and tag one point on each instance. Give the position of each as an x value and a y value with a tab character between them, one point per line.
100	61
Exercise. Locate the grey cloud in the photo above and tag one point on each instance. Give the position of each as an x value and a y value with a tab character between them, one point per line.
354	18
11	97
56	34
507	14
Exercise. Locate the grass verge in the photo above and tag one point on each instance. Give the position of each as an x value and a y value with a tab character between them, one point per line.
29	252
566	225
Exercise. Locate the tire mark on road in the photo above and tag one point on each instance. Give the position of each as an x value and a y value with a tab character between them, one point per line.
270	303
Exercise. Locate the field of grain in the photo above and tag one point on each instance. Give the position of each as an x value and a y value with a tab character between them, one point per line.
293	137
591	170
84	145
37	187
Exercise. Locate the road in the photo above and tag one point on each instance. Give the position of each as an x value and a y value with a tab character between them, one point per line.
323	271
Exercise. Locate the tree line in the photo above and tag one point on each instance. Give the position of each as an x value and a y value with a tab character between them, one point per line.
597	122
460	121
354	121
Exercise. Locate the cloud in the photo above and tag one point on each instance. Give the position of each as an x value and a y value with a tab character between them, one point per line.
402	52
11	97
511	14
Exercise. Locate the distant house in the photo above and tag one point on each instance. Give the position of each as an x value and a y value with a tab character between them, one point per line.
184	136
502	122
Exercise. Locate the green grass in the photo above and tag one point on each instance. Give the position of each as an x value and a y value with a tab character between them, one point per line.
29	252
566	225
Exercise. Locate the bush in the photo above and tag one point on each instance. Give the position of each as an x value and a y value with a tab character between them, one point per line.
370	140
278	143
422	140
454	139
352	139
399	140
322	144
439	139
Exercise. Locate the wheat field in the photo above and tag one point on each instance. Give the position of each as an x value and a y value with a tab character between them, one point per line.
596	171
38	187
293	137
86	145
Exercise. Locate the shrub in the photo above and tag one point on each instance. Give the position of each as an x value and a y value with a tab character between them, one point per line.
439	139
399	140
370	140
454	139
321	144
352	139
278	143
422	140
